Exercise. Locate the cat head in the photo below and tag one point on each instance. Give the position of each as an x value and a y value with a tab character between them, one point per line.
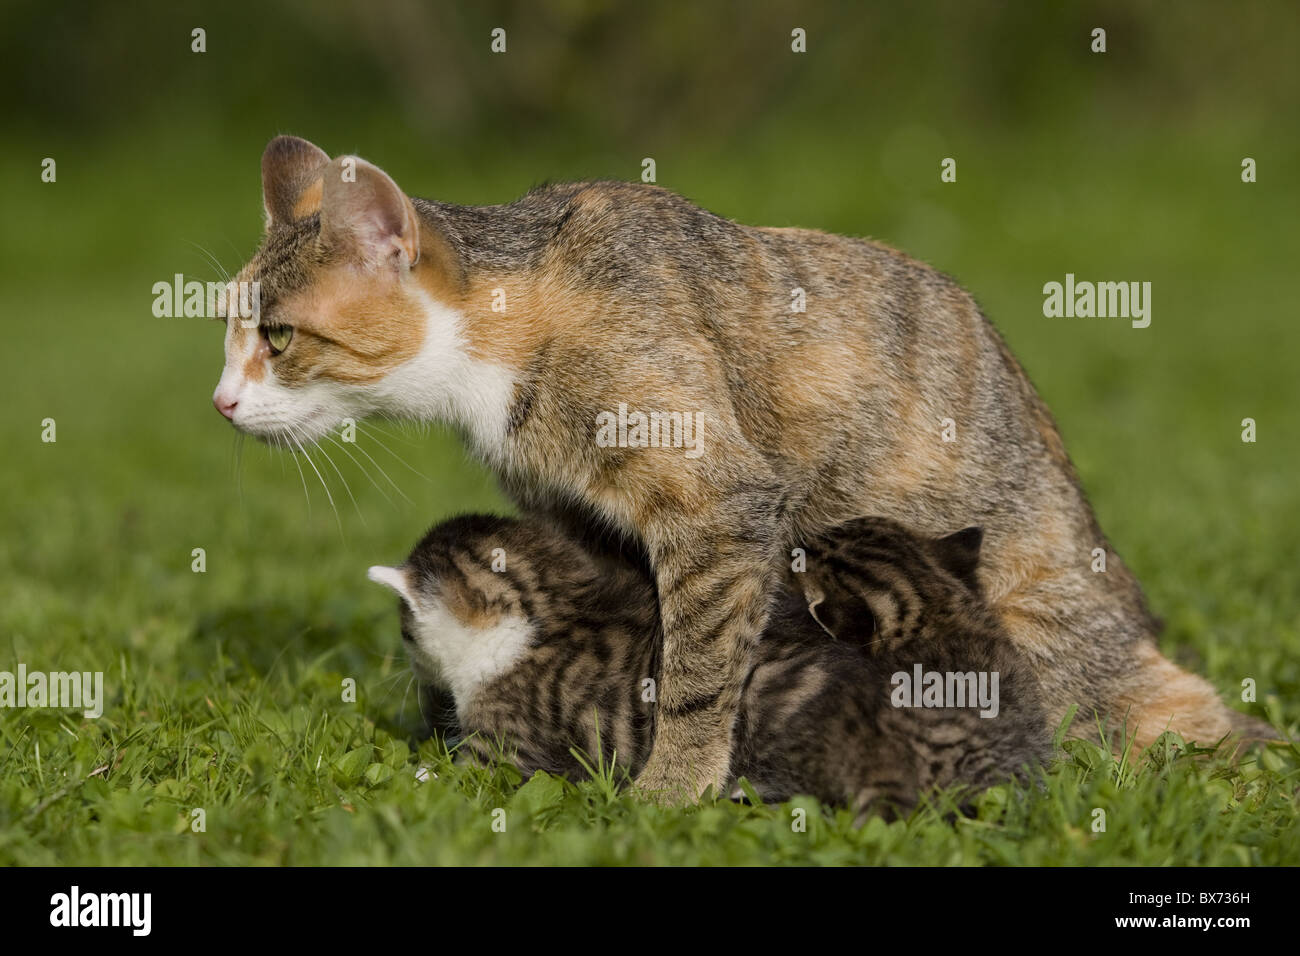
873	581
479	591
354	315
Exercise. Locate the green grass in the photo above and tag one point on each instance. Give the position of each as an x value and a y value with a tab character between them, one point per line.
224	689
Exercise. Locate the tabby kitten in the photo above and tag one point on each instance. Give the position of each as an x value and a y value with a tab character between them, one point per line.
558	648
715	393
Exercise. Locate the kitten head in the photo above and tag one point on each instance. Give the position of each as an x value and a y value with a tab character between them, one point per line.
871	580
346	276
479	591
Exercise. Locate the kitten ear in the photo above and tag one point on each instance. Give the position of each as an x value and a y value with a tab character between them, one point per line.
394	578
365	213
845	617
291	170
959	553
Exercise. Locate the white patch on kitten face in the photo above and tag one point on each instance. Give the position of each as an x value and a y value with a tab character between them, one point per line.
451	653
468	657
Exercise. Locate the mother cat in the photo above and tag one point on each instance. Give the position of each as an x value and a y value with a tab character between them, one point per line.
528	325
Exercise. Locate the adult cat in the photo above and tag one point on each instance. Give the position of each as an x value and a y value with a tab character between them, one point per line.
824	374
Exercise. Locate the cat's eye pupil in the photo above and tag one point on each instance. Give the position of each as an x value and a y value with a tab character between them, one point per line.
279	337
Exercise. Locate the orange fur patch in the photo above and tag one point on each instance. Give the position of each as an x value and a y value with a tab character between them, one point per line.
255	364
1162	696
358	327
538	307
309	201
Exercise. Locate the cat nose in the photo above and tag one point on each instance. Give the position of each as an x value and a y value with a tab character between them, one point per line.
225	406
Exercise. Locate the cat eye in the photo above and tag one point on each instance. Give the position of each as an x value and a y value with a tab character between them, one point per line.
279	337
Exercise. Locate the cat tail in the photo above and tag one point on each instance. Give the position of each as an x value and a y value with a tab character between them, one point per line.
1250	733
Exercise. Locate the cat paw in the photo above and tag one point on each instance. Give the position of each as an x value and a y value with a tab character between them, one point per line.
671	782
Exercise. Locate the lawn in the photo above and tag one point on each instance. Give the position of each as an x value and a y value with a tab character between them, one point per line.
224	689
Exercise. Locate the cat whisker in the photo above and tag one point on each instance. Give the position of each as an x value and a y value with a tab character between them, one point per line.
324	484
392	679
301	476
385	689
375	438
406	694
297	441
346	487
239	466
387	477
233	248
213	260
401	430
357	462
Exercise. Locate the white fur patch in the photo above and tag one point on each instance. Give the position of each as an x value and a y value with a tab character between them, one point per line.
443	383
466	658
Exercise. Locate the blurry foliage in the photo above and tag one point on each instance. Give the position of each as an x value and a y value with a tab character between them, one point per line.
629	74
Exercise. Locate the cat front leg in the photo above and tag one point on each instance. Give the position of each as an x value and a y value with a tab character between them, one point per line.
715	568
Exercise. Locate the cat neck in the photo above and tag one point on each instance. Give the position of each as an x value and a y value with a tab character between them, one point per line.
490	304
445	382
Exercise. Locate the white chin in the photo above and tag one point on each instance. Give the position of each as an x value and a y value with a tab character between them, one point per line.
286	434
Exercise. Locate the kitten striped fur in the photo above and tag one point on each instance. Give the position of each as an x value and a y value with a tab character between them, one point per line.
816	713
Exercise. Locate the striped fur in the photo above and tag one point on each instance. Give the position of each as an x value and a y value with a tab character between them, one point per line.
815	714
617	293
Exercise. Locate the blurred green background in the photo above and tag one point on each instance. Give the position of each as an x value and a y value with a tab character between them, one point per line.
1117	166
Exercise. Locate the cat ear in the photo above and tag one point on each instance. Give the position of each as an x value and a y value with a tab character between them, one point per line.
845	617
959	553
394	578
365	213
291	170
